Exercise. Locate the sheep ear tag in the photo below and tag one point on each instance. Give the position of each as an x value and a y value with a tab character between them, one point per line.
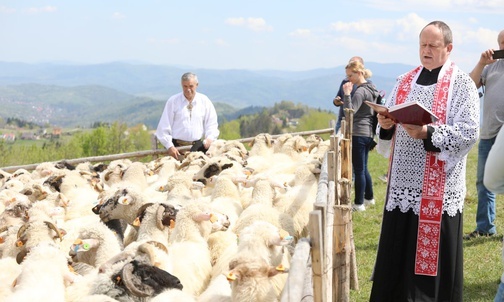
172	223
284	235
124	200
213	218
71	269
136	222
230	276
280	268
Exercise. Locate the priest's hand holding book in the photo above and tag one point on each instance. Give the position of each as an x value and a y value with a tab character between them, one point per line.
413	116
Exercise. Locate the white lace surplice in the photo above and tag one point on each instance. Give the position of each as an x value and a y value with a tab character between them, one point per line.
455	139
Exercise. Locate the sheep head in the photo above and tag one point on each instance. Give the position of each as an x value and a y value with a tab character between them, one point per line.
143	280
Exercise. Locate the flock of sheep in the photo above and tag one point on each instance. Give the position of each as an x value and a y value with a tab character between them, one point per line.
219	226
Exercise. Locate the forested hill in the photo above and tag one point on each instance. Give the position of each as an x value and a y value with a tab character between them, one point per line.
78	95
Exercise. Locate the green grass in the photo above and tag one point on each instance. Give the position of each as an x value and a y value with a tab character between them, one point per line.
482	256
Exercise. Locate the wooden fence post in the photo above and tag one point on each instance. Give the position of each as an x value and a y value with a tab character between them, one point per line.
317	254
341	250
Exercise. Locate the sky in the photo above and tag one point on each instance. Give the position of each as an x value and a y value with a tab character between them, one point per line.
255	35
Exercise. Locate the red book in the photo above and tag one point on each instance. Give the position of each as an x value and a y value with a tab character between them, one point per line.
406	113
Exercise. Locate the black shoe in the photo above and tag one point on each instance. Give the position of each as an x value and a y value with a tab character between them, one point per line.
476	234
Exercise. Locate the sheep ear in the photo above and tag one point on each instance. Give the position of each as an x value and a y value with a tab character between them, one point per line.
183	164
202	217
106	176
227	166
21	255
159	217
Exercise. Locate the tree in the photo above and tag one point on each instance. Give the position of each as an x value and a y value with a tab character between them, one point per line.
230	130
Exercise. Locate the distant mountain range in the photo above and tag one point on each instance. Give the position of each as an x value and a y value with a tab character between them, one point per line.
78	95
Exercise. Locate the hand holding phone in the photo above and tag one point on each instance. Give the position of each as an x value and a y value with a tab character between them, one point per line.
498	54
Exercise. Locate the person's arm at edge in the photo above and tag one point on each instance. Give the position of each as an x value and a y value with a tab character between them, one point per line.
493	179
485	59
211	125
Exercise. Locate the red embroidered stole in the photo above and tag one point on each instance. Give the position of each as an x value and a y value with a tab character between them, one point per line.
431	204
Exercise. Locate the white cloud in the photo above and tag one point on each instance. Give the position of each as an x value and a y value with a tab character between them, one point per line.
409	27
118	16
221	42
255	24
367	26
301	33
38	10
7	10
484	37
482	6
156	41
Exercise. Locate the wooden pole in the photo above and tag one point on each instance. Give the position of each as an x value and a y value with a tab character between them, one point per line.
331	168
317	254
346	165
297	273
341	250
320	205
335	146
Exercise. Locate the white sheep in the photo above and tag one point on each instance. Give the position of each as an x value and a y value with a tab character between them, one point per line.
219	290
261	145
15	206
121	203
8	237
43	277
44	170
10	270
215	148
264	241
193	161
160	169
234	150
173	295
189	248
94	244
153	221
77	190
225	198
297	201
134	175
114	172
280	141
261	208
218	243
4	176
251	280
294	147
